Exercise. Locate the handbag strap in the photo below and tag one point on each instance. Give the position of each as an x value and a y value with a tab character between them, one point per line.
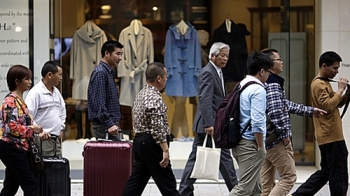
205	141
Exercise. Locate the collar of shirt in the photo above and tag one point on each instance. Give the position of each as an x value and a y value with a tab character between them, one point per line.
153	88
216	67
44	89
273	78
249	78
105	66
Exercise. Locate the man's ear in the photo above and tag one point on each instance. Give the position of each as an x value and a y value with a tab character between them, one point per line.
49	75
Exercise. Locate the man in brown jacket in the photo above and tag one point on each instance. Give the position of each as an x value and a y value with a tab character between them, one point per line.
328	130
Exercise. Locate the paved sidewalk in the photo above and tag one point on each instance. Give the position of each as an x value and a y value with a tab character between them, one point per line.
201	189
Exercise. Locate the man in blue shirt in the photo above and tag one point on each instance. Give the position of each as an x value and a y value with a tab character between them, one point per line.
250	151
103	102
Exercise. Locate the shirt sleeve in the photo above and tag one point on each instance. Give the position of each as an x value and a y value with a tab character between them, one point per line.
258	107
14	119
158	120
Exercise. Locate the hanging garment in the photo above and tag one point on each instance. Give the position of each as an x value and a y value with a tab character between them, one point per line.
85	55
236	67
183	61
138	53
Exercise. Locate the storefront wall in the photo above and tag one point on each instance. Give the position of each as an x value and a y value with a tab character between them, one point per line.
332	32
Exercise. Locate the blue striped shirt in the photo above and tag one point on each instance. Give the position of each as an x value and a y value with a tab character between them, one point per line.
103	98
253	106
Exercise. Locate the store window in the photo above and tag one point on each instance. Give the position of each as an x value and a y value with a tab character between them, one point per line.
287	26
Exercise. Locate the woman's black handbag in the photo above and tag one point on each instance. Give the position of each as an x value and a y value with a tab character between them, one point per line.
35	159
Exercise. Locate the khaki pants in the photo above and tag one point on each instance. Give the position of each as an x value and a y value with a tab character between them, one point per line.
280	158
250	161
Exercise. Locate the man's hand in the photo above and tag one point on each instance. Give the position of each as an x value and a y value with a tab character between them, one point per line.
342	84
44	136
286	141
113	130
318	112
209	130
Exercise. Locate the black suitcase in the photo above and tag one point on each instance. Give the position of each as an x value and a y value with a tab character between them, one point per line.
55	179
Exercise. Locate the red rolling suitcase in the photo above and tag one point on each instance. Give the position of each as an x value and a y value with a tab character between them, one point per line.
107	167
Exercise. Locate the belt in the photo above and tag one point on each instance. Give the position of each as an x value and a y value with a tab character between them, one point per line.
144	132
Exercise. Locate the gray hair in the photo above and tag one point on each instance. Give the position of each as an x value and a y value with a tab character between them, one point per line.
216	47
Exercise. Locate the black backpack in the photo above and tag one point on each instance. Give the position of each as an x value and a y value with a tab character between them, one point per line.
226	126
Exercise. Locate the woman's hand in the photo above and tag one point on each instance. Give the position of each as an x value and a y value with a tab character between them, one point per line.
37	128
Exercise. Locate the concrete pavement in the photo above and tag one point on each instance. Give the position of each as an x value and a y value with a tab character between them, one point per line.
201	189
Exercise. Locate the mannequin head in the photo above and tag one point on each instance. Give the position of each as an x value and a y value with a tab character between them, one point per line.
203	37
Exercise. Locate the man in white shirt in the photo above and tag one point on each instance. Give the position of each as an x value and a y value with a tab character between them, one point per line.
46	105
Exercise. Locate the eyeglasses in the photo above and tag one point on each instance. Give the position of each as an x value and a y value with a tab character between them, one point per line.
279	59
270	73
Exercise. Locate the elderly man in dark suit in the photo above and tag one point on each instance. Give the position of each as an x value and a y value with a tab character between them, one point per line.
211	92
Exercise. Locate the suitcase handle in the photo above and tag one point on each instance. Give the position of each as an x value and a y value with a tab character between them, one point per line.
120	136
54	138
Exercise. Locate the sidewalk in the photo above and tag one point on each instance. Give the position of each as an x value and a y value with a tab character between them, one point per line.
201	189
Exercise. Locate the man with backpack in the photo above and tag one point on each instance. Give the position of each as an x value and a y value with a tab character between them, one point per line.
211	92
250	151
279	153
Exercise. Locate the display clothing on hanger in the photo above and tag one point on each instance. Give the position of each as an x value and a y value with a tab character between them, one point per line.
183	61
85	54
138	53
236	67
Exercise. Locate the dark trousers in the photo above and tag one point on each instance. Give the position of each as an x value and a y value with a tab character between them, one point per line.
147	156
334	168
17	172
226	167
79	121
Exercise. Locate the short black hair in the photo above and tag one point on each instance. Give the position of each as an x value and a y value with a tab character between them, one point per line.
110	46
17	72
258	61
269	51
153	70
50	66
329	58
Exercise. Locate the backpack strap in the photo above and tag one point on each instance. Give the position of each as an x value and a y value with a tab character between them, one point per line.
347	101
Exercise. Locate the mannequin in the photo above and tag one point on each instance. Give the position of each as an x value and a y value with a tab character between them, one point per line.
203	40
182	27
179	120
228	25
136	25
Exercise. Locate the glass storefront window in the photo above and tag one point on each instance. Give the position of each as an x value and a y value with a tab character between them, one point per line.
284	25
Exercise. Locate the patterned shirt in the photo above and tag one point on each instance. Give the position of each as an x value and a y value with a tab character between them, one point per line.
149	113
103	103
278	108
13	122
